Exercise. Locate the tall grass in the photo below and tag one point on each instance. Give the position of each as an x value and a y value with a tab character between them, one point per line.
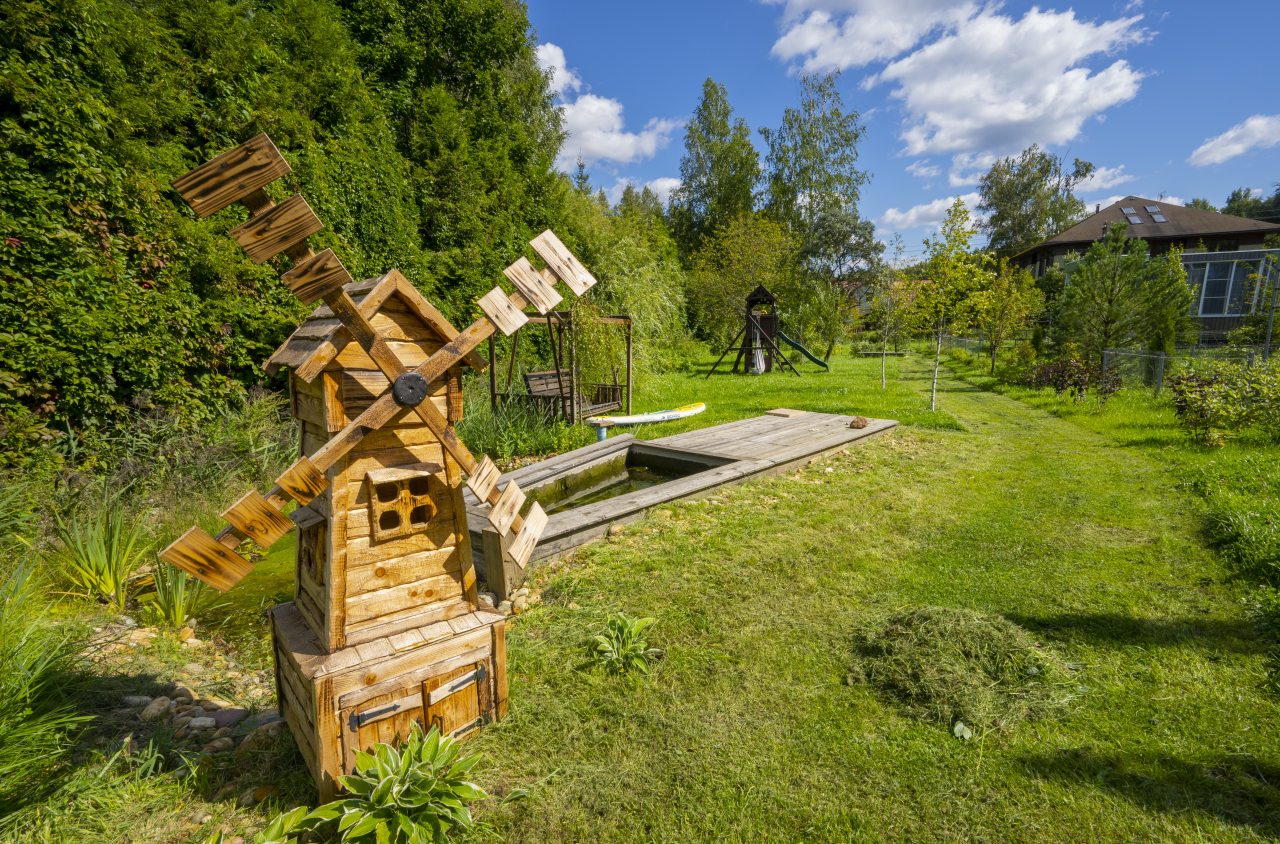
517	429
100	551
36	725
173	597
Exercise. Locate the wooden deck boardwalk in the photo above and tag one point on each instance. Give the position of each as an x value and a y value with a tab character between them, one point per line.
778	441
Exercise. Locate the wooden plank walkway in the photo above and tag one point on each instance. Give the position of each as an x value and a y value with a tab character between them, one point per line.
747	448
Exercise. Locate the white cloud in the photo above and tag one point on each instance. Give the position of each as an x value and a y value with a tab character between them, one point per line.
995	83
1102	178
1258	132
663	186
968	168
924	170
594	127
824	35
596	132
926	215
551	58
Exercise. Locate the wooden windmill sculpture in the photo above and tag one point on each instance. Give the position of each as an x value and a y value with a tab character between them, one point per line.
384	629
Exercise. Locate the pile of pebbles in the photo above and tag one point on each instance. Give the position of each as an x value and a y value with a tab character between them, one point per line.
216	725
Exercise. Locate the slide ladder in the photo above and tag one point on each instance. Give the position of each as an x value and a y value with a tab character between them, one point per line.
802	350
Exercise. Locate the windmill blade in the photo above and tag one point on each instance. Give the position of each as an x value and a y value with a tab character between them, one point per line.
239	175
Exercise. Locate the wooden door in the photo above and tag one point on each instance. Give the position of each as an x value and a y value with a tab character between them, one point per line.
460	700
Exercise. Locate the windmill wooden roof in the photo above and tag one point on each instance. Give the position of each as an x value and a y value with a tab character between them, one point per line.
1179	222
321	336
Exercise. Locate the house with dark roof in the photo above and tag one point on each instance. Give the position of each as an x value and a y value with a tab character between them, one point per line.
1223	254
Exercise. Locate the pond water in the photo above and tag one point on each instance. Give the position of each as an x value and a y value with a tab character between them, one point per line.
625	472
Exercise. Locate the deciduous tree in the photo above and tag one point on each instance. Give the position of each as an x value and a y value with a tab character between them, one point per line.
1029	198
953	272
747	251
814	184
1004	305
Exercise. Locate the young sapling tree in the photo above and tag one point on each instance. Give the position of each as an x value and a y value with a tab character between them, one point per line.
953	273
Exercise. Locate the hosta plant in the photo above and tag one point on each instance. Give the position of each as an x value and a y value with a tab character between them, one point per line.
621	647
413	794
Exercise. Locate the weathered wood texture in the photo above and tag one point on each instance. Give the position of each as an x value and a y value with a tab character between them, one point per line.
278	228
303	480
499	308
232	176
257	519
541	294
562	262
317	277
201	556
451	672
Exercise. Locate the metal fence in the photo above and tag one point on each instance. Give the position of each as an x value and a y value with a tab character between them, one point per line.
1150	369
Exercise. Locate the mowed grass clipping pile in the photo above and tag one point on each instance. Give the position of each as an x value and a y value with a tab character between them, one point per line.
961	669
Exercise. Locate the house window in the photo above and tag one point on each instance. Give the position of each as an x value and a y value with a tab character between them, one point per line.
1226	287
402	501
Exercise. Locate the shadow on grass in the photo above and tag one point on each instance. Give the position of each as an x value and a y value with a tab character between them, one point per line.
1240	636
1241	790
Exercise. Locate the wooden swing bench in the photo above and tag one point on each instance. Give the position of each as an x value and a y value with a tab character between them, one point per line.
551	392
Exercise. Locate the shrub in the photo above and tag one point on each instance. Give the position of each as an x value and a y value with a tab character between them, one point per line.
101	551
1217	399
621	647
960	666
36	725
1073	377
415	794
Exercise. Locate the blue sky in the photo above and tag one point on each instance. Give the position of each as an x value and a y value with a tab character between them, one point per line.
1173	99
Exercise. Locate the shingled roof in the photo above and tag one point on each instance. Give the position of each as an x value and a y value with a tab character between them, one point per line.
322	335
1180	223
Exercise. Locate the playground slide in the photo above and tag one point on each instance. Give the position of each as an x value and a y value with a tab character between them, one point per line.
802	350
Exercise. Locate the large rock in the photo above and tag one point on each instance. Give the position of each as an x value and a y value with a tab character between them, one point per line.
155	710
262	736
204	722
230	717
267	716
137	700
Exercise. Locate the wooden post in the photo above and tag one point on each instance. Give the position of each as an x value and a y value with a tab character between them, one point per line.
501	572
628	366
573	369
493	375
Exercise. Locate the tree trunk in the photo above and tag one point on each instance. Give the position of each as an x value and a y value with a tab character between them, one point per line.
993	358
937	362
884	354
831	347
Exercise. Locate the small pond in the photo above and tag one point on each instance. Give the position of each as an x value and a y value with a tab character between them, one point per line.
623	472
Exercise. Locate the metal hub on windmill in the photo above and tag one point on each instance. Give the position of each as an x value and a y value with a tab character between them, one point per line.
384	629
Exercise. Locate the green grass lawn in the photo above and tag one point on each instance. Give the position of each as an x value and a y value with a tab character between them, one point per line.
748	728
748	731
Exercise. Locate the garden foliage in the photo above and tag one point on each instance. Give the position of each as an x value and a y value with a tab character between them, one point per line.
423	135
621	647
1219	399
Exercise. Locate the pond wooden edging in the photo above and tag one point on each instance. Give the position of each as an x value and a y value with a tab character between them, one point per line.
733	453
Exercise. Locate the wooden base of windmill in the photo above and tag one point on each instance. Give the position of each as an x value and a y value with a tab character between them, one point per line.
450	674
